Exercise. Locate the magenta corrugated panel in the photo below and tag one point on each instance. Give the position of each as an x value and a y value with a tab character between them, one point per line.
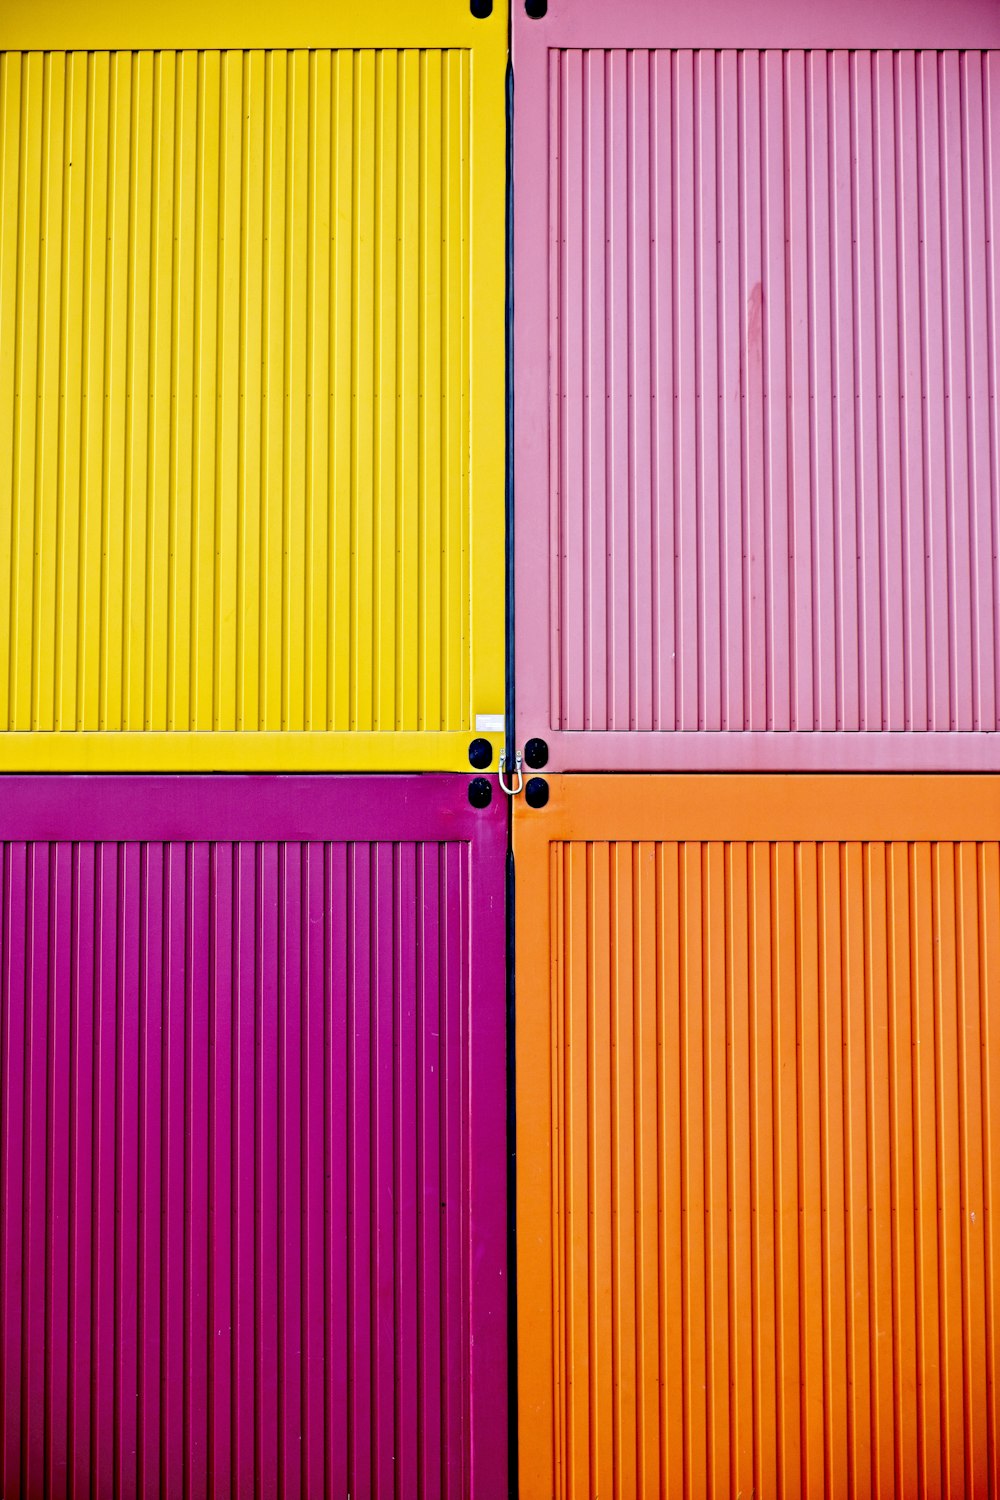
757	348
252	1124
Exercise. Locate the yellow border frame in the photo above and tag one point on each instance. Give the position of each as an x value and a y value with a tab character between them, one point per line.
226	750
97	25
104	25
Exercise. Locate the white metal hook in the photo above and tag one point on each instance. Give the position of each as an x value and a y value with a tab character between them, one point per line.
511	791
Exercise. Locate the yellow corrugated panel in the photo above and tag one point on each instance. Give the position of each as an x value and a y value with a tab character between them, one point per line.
758	1075
251	396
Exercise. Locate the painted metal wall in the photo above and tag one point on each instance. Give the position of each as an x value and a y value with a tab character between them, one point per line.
252	1153
756	352
251	462
758	1074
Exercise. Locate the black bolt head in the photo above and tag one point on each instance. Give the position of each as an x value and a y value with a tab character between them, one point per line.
480	754
536	754
481	8
536	793
480	791
535	9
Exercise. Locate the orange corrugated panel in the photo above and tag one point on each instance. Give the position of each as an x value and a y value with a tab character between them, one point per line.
758	1093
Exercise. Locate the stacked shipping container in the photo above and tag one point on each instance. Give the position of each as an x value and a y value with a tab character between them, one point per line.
758	1074
252	1138
252	1161
757	257
253	1124
756	408
251	465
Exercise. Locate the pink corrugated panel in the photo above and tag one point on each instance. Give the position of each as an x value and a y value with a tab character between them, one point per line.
251	1138
757	350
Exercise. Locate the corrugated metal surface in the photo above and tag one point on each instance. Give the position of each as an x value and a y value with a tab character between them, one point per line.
774	333
251	1142
242	486
758	1084
772	421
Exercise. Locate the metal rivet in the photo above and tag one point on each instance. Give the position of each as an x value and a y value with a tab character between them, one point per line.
535	8
480	791
536	754
480	754
536	793
481	8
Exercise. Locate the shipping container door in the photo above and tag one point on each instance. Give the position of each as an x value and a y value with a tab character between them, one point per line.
251	1138
758	1091
251	384
756	340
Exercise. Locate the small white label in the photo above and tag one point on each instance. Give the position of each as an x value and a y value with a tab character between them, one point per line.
489	723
